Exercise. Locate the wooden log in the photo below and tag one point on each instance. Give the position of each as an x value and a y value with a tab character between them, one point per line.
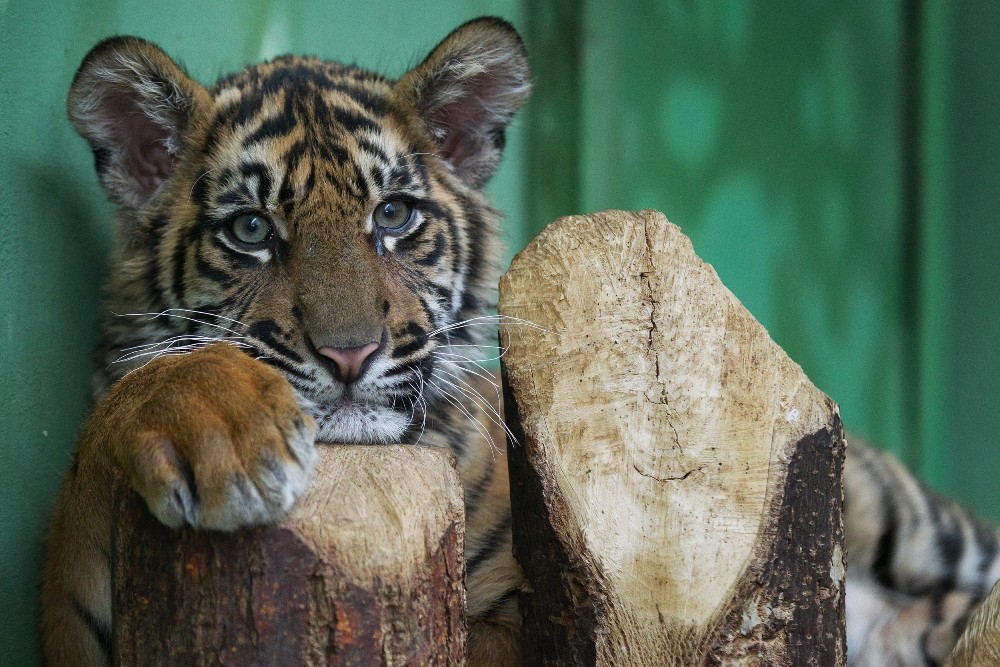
368	569
676	478
979	644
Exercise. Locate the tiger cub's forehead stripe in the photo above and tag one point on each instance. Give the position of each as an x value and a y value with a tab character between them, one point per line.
352	121
294	187
371	147
288	102
409	170
276	125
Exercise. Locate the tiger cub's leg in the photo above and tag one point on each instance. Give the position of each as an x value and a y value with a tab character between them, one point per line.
917	563
211	439
493	576
76	577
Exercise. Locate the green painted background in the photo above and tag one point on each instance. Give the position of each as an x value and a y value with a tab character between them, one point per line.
836	162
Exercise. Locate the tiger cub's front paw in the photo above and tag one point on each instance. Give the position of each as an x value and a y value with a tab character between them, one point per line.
213	439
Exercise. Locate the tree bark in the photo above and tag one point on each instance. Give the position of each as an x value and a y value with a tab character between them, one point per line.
675	482
368	569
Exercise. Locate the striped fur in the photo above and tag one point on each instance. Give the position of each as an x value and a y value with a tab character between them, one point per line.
917	564
314	151
315	148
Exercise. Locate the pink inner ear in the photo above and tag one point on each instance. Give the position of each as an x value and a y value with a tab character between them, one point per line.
466	121
461	140
142	142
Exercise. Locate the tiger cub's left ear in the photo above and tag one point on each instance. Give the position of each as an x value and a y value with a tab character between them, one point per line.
467	90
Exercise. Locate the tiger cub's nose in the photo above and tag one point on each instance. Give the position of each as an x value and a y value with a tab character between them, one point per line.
348	362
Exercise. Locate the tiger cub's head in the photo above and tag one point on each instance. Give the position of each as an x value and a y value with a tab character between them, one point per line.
325	217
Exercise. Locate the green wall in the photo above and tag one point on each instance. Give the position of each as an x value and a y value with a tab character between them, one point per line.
836	162
970	292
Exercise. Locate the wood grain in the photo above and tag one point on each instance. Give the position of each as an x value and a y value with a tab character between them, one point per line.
676	481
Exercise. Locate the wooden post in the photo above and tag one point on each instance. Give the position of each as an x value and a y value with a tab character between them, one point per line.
368	569
676	481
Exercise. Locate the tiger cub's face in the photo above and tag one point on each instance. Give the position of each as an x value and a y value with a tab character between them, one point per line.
324	217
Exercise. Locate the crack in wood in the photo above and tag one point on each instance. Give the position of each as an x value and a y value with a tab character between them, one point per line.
668	479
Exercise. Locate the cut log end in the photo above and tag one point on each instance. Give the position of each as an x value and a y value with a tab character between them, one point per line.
368	569
676	490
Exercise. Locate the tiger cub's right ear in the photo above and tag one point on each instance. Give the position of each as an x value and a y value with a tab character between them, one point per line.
133	105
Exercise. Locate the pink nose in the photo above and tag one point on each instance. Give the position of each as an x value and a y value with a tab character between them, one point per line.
347	361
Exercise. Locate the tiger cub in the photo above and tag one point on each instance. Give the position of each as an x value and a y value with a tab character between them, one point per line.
315	238
305	254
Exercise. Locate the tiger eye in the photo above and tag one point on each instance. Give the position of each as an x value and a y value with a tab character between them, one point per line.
393	215
251	229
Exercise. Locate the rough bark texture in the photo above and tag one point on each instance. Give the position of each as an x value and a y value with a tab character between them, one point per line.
979	645
368	569
676	482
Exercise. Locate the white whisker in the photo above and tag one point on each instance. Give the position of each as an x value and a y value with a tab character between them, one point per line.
471	392
416	154
485	375
176	345
465	359
179	349
418	400
169	313
491	412
458	404
172	339
203	175
487	319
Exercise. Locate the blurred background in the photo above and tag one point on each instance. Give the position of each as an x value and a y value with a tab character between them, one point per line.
836	162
